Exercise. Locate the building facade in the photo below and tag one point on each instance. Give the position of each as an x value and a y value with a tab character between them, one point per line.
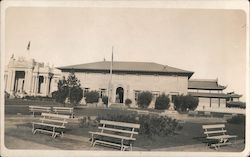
128	79
210	93
27	77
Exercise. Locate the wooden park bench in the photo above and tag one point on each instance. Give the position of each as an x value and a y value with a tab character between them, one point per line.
216	135
64	110
117	134
39	109
50	123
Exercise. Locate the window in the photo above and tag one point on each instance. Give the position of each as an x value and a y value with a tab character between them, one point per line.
136	94
86	90
102	92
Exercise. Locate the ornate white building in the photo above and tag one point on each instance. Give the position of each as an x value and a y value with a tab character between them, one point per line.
30	77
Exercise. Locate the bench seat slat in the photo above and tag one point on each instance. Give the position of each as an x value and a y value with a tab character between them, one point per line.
220	144
111	135
118	130
53	120
215	131
110	143
221	136
51	125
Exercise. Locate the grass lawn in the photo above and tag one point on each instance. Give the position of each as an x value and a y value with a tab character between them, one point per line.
19	127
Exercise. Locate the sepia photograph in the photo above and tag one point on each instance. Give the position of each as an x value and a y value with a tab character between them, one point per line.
124	78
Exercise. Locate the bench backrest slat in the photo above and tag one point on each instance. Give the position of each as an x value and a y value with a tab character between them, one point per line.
122	124
39	107
213	126
118	130
55	115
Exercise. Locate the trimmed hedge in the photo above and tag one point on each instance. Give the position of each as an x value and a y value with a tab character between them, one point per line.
144	99
128	102
162	102
239	119
91	97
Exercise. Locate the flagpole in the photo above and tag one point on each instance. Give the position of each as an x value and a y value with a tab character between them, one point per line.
110	79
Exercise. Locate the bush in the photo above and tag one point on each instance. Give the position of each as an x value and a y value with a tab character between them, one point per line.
76	94
60	95
144	99
162	102
182	103
239	119
105	100
150	125
128	102
91	97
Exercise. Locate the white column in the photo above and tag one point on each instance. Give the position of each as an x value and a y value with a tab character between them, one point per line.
36	85
12	81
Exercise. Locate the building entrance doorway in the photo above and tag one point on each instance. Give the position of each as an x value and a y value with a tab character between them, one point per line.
19	81
119	95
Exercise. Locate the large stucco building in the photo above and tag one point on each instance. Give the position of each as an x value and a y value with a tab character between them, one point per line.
130	78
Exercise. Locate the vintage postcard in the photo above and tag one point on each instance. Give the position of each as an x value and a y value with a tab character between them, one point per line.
124	78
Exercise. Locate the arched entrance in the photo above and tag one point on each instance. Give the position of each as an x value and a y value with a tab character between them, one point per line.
119	95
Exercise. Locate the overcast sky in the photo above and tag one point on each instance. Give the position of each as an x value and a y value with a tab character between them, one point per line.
210	43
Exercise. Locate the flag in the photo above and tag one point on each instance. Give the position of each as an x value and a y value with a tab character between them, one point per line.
28	47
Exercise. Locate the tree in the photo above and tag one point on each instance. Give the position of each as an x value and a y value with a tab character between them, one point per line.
162	102
62	93
75	91
144	99
182	103
70	88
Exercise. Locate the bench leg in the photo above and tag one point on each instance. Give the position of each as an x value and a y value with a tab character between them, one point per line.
130	146
33	128
53	134
92	140
122	149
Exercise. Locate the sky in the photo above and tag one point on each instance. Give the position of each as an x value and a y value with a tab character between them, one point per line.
209	42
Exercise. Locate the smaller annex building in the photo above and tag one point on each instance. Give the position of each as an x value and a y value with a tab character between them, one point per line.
210	93
128	79
24	76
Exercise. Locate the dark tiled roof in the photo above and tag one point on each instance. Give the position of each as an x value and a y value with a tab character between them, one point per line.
205	85
143	67
209	95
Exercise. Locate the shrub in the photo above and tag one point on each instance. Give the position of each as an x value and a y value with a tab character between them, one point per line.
128	102
182	103
91	96
105	100
144	99
76	94
162	102
150	125
239	119
60	95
